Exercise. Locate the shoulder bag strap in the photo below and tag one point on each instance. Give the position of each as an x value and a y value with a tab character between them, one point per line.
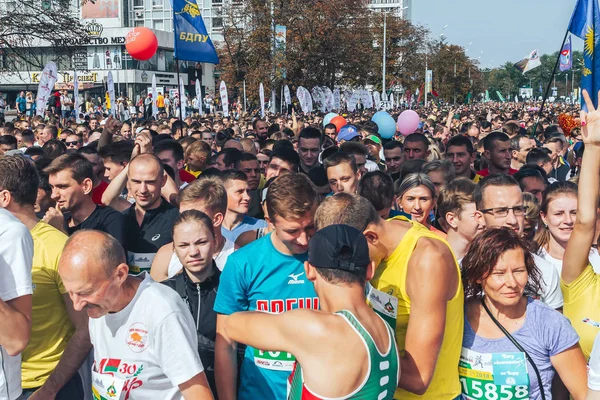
518	346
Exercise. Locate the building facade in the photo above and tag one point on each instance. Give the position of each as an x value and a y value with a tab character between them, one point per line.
102	50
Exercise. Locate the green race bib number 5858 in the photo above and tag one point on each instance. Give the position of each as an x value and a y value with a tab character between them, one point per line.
474	389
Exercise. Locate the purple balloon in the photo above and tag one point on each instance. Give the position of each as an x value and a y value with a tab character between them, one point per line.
408	122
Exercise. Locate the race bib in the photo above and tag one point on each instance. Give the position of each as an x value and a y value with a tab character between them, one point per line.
139	262
493	376
383	304
274	360
106	387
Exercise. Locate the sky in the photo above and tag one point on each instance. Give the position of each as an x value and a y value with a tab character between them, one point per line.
505	30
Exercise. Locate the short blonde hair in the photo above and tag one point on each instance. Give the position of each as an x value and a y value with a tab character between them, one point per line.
209	191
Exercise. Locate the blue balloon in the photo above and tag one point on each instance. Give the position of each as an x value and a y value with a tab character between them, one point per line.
327	119
385	123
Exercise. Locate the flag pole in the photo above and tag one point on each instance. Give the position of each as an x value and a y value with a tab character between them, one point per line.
550	81
181	116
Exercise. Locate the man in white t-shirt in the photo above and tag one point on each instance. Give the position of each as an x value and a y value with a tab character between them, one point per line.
145	343
499	202
16	258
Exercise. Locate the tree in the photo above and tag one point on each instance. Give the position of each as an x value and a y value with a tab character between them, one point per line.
328	43
33	33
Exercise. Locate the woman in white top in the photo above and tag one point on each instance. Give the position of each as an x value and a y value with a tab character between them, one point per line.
558	213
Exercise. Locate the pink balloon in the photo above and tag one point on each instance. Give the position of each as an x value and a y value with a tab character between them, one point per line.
408	122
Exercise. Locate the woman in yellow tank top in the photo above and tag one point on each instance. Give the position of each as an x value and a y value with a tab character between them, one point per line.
579	284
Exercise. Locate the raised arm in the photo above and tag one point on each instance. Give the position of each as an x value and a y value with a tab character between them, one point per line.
576	255
271	332
111	196
111	127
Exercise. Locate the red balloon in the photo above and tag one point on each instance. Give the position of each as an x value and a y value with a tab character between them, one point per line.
141	43
339	122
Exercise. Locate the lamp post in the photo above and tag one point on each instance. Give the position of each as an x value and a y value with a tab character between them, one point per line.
401	8
427	66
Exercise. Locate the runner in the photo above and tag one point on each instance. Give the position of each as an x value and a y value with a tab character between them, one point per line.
499	203
342	172
580	285
16	257
267	275
426	313
59	340
238	201
134	323
71	177
339	266
457	209
515	342
208	196
149	221
194	243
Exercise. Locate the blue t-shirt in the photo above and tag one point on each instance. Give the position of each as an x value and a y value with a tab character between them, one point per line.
22	103
248	224
260	278
544	334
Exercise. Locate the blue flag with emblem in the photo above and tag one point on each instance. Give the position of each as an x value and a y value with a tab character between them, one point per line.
584	24
192	42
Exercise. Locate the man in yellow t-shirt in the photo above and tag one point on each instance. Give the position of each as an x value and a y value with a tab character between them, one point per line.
60	339
417	288
160	102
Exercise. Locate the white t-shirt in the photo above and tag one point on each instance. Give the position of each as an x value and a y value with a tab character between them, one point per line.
175	266
551	294
594	259
16	258
594	366
147	349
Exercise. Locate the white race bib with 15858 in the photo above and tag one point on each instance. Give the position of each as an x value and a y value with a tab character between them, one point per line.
493	376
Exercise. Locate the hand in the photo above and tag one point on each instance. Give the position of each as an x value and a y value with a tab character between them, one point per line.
55	217
590	121
143	142
112	125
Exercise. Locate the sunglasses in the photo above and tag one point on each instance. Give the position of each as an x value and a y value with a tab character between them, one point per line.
75	143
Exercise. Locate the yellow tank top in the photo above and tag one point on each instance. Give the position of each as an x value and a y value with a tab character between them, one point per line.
582	307
387	295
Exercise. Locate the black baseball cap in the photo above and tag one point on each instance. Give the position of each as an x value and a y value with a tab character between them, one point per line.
339	247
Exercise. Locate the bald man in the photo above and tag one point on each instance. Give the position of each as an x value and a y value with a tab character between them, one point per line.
149	221
145	343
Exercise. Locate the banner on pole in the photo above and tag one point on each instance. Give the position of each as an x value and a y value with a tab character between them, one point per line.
199	97
47	81
224	99
286	93
566	62
154	97
111	92
261	93
182	97
76	94
336	99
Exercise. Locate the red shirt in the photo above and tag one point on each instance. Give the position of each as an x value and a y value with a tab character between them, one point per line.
186	176
98	191
486	172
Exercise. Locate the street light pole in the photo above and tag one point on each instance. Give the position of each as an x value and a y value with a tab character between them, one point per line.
384	51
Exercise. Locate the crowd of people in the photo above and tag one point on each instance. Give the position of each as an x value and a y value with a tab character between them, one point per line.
288	258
